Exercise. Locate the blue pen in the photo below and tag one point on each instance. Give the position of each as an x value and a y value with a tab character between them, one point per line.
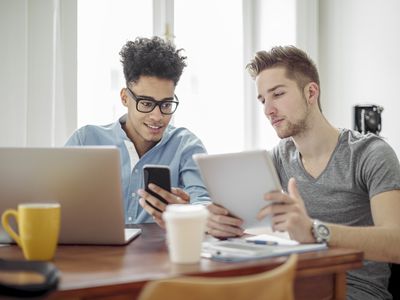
262	242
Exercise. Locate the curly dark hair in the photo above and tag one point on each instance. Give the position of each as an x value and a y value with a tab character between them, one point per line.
151	57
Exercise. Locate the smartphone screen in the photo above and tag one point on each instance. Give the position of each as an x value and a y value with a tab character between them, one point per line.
159	175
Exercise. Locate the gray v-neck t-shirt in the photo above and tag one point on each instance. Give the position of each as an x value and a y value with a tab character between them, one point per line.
361	166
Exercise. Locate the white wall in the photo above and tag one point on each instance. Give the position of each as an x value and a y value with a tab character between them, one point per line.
13	70
359	61
358	58
38	72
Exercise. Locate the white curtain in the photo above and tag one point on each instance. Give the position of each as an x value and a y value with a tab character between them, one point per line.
39	107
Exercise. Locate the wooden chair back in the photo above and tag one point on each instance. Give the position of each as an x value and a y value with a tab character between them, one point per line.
274	284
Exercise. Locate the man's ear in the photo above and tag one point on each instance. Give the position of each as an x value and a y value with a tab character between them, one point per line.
124	97
311	92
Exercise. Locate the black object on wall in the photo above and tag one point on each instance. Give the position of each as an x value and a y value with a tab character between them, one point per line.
367	118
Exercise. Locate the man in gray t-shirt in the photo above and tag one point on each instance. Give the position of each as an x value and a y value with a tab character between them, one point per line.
341	188
360	167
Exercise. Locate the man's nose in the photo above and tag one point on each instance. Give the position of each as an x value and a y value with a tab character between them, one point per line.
156	113
269	108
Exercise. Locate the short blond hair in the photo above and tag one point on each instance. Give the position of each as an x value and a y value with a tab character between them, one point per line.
299	66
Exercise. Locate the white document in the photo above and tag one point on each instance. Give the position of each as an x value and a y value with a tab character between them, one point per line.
235	250
266	235
271	239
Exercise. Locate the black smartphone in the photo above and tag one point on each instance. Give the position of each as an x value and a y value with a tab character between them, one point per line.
159	175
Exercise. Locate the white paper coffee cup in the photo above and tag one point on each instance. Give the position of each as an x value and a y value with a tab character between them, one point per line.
185	225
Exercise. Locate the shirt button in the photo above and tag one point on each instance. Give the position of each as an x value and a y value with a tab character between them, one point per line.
130	219
136	170
133	195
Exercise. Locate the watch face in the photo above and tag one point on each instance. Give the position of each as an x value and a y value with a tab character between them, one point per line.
323	230
320	231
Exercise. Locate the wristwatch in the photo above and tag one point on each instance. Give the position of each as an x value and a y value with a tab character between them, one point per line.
320	231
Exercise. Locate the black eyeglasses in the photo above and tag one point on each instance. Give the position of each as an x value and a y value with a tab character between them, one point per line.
147	104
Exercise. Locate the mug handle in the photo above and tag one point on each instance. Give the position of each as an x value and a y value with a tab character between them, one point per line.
4	221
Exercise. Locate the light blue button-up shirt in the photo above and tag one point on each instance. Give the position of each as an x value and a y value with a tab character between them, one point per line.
175	150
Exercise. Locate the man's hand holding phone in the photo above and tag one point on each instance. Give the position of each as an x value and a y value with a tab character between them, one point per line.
158	192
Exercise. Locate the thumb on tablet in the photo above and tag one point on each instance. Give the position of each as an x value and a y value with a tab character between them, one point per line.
217	209
293	190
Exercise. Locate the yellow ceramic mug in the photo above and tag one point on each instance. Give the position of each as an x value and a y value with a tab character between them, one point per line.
38	227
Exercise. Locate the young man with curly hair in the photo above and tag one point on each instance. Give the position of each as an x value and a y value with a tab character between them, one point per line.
342	187
152	68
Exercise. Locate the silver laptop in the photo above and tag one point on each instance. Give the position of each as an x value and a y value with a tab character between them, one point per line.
86	181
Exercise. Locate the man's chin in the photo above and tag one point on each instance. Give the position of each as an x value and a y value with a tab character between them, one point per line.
154	138
283	134
292	132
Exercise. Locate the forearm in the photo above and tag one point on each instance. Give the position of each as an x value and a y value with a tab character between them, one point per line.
378	243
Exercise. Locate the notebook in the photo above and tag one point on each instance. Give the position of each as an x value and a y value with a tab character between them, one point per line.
236	250
238	181
86	181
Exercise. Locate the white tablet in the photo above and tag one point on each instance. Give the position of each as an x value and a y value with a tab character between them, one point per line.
238	181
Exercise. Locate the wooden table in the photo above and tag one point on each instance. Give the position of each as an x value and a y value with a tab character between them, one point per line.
109	272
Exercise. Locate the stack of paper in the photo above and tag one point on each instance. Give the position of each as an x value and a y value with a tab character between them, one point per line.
269	239
255	247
